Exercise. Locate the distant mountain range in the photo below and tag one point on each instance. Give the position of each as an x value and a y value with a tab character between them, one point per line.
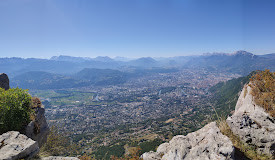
85	77
45	80
240	62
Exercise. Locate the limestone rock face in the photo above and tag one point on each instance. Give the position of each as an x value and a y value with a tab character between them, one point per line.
252	124
207	143
59	158
4	81
14	145
38	129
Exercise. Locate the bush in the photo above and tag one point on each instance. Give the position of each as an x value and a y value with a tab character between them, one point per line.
15	109
105	152
150	145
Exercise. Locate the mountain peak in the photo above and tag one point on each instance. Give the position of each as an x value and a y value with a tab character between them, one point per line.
146	59
69	58
243	53
103	59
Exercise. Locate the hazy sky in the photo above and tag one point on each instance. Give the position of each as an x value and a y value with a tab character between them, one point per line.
135	28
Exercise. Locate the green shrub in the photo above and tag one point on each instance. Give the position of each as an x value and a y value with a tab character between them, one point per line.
15	109
150	145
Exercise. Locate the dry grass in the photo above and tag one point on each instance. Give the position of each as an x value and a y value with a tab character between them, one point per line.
263	90
86	157
134	155
36	102
247	150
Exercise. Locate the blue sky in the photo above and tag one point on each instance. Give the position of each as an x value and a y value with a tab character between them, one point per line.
135	28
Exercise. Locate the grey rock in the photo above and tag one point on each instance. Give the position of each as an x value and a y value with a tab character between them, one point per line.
151	155
59	158
4	81
38	129
207	143
14	145
252	124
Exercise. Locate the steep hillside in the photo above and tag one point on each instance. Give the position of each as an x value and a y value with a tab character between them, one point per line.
248	134
225	94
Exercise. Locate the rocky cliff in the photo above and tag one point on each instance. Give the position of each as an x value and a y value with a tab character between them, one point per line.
253	124
25	145
17	146
250	122
38	129
4	81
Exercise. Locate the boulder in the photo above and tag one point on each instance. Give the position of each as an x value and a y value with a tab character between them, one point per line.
14	145
252	124
38	129
4	81
207	143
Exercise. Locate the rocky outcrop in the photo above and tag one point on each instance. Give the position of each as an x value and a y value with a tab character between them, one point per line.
206	143
38	129
252	124
14	145
4	81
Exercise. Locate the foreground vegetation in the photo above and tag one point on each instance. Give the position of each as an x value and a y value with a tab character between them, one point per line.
57	144
15	109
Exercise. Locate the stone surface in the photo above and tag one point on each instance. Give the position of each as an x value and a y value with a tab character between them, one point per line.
59	158
252	124
14	145
38	129
4	81
207	143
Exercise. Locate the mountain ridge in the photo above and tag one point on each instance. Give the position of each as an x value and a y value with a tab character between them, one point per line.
240	62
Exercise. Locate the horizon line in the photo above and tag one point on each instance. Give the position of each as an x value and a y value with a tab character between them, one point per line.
114	57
